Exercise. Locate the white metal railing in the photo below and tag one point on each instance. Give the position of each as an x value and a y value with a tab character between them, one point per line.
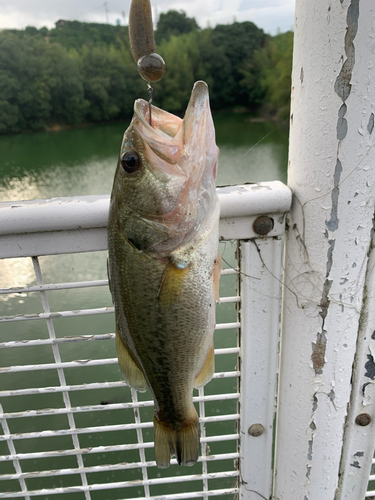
58	437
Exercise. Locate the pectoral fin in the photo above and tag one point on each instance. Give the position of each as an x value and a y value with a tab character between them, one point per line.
206	373
130	369
218	264
171	284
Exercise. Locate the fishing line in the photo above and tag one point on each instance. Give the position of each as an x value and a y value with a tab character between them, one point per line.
150	91
254	146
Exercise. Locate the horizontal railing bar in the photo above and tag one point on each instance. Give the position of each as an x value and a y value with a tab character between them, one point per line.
122	484
109	486
195	494
106	407
64	340
53	366
66	364
90	212
228	272
68	340
84	387
67	388
76	284
103	428
227	326
54	286
56	315
108	468
230	300
370	494
105	449
83	338
66	314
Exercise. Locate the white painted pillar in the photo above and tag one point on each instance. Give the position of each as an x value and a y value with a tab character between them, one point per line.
332	176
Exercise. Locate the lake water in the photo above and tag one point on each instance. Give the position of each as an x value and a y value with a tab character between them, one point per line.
81	162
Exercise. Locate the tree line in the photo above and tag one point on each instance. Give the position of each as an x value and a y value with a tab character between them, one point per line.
84	72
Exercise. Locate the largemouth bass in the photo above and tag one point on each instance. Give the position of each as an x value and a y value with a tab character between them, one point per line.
163	265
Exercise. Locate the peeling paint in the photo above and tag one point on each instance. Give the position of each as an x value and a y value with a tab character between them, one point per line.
342	88
342	124
333	223
332	395
329	255
359	454
310	451
315	404
355	464
319	351
370	126
342	83
364	388
370	367
324	304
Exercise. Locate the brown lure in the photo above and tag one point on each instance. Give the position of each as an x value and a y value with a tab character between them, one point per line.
151	66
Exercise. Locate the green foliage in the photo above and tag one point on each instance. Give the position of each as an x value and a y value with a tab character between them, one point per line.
180	52
235	45
66	87
84	72
174	23
268	77
74	34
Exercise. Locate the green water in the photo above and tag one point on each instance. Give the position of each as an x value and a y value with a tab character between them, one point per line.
81	162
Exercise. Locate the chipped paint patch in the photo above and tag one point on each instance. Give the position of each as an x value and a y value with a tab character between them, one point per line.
310	451
370	126
333	223
319	351
342	83
342	123
370	367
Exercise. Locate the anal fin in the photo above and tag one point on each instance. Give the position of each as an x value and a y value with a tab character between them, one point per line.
207	371
133	375
180	440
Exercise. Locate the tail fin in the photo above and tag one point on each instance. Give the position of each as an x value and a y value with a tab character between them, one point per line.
181	440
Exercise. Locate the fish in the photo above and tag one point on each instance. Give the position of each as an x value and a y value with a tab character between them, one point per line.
164	265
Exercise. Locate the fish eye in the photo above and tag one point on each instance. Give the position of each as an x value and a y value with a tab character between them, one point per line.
130	162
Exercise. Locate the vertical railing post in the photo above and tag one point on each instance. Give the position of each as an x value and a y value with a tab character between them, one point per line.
332	176
260	268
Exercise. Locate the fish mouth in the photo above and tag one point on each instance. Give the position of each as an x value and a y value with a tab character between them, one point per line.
166	124
170	136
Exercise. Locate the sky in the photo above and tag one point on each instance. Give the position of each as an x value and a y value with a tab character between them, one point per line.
270	15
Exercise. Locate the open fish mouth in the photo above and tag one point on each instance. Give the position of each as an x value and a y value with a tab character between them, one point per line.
170	136
167	124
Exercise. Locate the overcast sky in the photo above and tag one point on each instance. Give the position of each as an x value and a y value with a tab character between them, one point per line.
270	15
